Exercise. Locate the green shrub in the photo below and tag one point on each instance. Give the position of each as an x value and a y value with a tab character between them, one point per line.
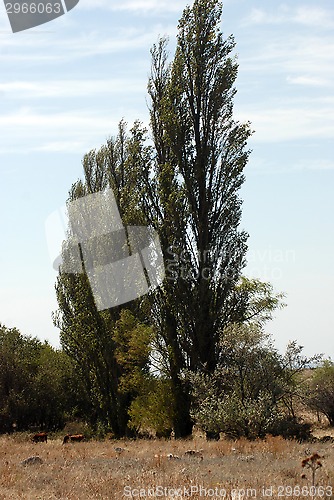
291	428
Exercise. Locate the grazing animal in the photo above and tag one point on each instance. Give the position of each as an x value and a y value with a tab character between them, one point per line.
73	437
170	456
40	437
193	453
118	449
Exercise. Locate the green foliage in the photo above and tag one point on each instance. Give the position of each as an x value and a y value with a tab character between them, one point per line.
249	392
291	428
153	409
321	390
110	352
251	418
240	398
33	383
228	413
133	348
257	301
108	347
294	364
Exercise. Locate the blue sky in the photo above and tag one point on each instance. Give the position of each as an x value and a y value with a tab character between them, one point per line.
65	85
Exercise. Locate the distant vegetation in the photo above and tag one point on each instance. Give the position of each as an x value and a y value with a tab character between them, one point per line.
39	388
256	393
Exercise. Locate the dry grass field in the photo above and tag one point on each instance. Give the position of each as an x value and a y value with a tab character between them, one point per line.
109	469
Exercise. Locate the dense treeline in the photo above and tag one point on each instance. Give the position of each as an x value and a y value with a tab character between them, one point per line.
193	350
39	388
257	391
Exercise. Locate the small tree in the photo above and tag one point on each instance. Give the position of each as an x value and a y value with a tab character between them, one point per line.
153	409
241	397
321	390
247	394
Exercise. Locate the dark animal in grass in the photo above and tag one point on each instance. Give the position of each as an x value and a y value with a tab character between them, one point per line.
40	437
75	438
32	461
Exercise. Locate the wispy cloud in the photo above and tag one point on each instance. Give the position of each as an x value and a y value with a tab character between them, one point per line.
310	81
294	59
50	48
272	165
260	16
292	52
69	88
285	122
313	16
61	147
315	165
286	80
76	131
304	15
145	6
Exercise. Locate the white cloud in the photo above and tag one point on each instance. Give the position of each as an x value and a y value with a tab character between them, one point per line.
297	59
75	131
305	15
292	77
292	52
69	88
314	16
61	147
287	123
26	117
146	6
260	16
48	47
311	81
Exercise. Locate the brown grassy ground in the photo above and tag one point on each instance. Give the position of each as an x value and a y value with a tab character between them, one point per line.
94	470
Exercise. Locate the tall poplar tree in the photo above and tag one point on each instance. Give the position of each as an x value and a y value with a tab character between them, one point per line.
109	356
199	162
